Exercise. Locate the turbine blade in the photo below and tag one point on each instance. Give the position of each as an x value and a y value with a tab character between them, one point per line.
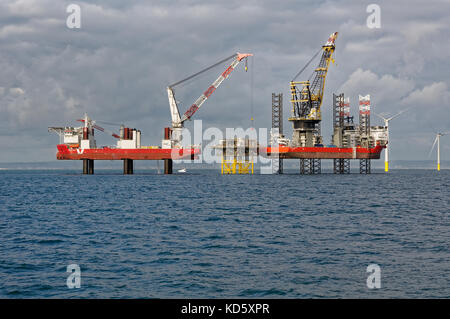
398	114
432	148
379	116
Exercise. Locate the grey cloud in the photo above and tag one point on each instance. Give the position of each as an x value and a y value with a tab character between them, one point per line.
118	64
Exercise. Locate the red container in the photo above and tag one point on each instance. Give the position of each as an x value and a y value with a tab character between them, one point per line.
167	133
85	133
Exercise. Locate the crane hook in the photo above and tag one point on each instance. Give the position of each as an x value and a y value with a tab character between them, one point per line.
246	66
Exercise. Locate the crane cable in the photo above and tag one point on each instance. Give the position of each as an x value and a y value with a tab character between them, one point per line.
108	123
202	71
303	69
251	91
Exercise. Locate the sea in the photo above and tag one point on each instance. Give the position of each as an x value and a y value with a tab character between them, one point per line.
204	235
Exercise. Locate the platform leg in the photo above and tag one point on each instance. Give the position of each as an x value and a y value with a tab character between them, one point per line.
336	166
125	167
91	167
316	166
168	163
346	166
364	166
341	166
85	166
306	166
302	166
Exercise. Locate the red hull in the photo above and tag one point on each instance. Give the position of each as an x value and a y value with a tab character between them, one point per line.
65	153
327	152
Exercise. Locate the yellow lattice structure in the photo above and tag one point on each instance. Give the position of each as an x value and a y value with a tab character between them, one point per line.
237	156
233	166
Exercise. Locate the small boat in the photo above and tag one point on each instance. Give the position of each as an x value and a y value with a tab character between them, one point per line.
183	170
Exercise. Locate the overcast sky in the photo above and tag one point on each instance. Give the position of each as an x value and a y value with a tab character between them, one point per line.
117	65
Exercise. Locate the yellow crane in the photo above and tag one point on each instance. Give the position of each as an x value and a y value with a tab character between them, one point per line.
306	98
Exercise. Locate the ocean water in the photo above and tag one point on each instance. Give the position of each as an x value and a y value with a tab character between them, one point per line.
203	235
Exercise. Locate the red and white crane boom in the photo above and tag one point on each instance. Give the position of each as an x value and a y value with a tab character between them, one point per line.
177	121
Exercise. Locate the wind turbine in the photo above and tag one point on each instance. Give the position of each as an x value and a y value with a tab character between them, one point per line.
386	124
437	140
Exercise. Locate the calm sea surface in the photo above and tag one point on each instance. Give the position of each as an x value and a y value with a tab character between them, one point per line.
201	234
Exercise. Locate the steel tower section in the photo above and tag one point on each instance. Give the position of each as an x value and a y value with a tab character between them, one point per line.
277	125
310	166
340	165
277	112
364	131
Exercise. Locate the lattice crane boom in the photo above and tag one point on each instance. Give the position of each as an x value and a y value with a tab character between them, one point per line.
177	121
307	99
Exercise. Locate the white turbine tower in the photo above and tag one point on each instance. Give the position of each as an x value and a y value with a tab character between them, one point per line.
386	124
438	141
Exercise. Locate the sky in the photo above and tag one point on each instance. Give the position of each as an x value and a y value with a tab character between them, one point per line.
117	65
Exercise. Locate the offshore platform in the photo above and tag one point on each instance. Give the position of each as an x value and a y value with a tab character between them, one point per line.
349	141
78	143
